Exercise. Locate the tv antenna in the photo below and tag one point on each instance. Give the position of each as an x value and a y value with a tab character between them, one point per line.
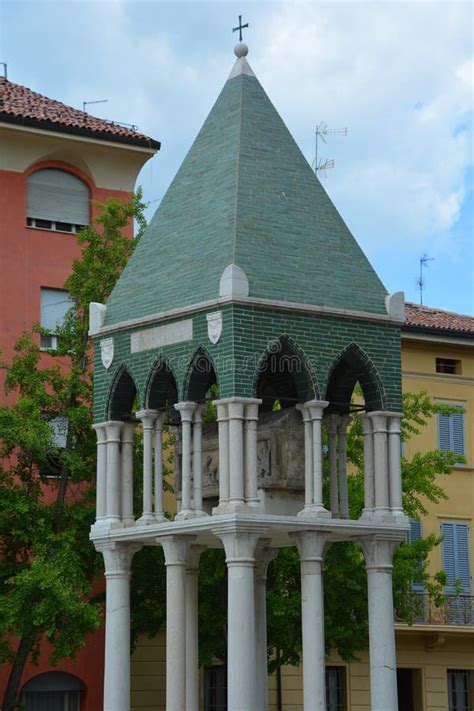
86	103
322	131
424	259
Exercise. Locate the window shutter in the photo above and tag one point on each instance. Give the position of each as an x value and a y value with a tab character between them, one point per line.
444	432
55	303
456	555
457	426
415	534
58	196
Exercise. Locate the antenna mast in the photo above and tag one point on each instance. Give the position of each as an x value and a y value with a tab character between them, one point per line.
424	259
322	131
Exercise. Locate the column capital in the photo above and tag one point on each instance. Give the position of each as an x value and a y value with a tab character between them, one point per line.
113	430
315	408
160	420
222	410
176	548
304	411
194	554
264	554
366	422
197	415
147	417
331	420
238	400
394	422
240	543
128	431
311	545
379	549
100	429
344	421
117	557
251	410
186	410
379	420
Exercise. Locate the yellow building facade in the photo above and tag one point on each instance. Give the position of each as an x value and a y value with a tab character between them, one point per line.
435	656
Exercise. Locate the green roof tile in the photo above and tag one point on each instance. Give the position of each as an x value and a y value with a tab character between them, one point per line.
245	194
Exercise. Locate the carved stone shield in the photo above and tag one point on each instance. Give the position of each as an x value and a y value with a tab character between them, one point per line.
107	352
214	326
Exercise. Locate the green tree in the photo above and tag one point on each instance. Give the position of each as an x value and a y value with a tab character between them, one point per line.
47	563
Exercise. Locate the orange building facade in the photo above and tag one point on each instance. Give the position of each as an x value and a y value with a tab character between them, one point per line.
53	157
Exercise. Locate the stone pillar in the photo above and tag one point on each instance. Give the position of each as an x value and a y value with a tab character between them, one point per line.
342	465
176	554
114	471
250	432
378	552
117	561
186	410
192	641
236	453
264	556
158	462
197	462
101	485
240	548
127	473
394	464
332	422
369	472
311	550
223	425
379	428
147	418
308	457
315	411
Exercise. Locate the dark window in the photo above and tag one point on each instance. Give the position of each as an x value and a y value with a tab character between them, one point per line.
55	303
336	689
56	200
215	688
52	691
448	365
459	691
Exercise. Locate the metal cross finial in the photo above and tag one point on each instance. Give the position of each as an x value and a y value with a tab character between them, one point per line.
240	28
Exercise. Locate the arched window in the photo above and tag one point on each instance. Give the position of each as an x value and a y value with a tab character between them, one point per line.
56	200
52	691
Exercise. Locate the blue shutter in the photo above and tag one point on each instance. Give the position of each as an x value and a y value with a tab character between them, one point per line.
451	432
456	555
415	534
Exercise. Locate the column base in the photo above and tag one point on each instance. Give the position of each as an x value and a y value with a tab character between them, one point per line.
102	525
186	514
385	515
315	511
146	520
230	507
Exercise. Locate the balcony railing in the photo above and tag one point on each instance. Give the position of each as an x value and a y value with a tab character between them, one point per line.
454	610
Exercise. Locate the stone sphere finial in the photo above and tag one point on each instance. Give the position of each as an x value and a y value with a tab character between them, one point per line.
241	50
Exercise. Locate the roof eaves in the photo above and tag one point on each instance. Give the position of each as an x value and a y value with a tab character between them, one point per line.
80	131
433	330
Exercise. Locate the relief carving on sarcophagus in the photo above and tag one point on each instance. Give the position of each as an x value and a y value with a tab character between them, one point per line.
280	456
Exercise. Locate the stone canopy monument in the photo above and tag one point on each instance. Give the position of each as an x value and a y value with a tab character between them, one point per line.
247	284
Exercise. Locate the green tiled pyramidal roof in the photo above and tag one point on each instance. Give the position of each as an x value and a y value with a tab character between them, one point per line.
245	195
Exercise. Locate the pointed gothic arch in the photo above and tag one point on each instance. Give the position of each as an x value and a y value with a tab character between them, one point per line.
201	375
161	389
353	365
284	374
122	395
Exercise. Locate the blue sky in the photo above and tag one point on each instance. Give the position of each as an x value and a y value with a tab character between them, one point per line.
397	74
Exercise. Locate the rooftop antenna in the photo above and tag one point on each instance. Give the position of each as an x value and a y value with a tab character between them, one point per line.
86	103
424	259
5	67
322	131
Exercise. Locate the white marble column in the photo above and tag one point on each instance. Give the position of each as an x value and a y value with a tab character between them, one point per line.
378	552
332	422
127	473
158	467
379	428
223	434
101	481
186	410
176	550
236	453
117	560
369	472
147	418
197	461
251	474
395	464
342	465
308	457
114	473
240	548
311	546
264	556
315	410
192	629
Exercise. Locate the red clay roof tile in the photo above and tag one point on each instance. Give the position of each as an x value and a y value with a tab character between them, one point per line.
21	105
426	318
